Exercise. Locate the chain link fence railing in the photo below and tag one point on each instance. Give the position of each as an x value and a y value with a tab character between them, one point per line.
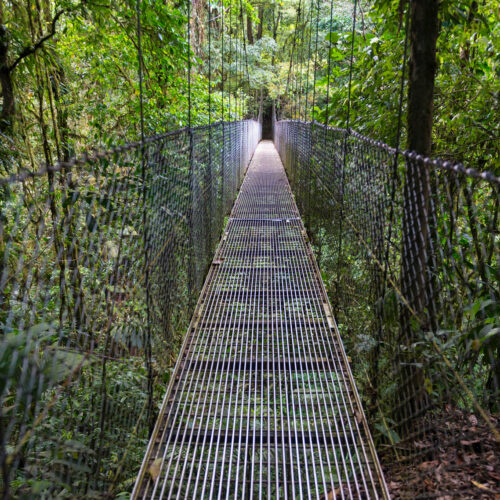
102	260
408	248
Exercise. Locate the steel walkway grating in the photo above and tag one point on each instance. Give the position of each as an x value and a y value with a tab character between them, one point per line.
262	402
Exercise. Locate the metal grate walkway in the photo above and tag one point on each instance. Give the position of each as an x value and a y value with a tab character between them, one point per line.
262	403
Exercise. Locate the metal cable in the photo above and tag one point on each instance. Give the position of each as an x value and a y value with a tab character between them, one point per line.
348	118
148	353
293	48
189	62
315	61
309	56
245	50
353	33
392	195
329	63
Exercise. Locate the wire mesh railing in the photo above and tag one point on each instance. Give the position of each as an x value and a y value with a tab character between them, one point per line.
408	248
102	261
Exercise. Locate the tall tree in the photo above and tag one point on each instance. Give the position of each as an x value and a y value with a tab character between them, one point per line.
424	30
415	283
8	104
261	22
249	28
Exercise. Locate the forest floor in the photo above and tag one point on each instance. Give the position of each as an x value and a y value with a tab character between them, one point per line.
467	468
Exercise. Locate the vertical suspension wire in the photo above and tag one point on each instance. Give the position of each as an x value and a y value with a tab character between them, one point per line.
242	69
222	67
276	102
209	176
353	34
238	63
309	54
346	137
148	347
401	91
230	63
391	212
237	66
302	62
209	21
245	48
303	75
189	62
223	154
290	68
192	256
309	143
293	74
295	60
139	67
315	62
327	111
233	56
297	65
237	74
239	21
303	50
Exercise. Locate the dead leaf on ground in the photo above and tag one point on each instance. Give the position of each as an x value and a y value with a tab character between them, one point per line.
426	465
480	486
473	419
331	495
469	443
155	468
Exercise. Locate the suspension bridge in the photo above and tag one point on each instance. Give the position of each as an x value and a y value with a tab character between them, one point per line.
206	314
262	402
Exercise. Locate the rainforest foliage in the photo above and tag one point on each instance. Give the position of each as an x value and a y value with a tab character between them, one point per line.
69	81
68	71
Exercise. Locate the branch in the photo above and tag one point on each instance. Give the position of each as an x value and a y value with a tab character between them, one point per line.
27	51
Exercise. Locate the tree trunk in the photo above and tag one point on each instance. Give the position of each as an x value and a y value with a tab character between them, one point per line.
261	23
276	23
249	29
424	30
8	105
415	278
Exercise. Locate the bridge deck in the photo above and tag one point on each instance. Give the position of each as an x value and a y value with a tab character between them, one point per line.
262	403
